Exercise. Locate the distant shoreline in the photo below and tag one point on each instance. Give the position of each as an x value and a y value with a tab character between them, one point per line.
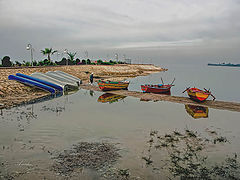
13	93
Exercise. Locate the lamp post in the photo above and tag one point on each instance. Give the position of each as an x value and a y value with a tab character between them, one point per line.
116	57
58	55
29	47
65	52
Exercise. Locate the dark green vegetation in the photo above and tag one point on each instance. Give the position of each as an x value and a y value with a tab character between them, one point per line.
48	52
184	155
6	61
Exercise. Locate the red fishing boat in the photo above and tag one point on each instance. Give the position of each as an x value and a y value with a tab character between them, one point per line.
158	89
198	94
112	85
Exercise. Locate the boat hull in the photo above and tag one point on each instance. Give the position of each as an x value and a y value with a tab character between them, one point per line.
197	111
197	94
55	86
110	98
164	89
110	85
32	83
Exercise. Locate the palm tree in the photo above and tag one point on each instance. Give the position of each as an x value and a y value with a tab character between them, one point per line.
48	52
71	55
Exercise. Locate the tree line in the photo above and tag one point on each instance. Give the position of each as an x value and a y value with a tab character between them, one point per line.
6	61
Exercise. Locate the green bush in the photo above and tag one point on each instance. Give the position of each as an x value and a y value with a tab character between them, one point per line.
34	63
107	63
27	64
88	61
77	61
84	61
99	61
18	63
6	61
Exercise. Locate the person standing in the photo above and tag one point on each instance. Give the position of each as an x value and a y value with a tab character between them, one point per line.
91	78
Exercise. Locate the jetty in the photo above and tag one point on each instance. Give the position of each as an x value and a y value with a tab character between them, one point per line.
222	105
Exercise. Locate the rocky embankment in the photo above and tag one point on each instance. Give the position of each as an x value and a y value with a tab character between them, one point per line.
14	93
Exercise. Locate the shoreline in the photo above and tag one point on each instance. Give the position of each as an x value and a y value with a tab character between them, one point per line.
222	105
13	93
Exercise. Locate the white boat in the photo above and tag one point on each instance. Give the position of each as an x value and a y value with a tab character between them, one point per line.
79	81
65	85
61	78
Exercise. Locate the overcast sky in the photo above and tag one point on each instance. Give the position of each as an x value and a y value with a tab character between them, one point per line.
125	26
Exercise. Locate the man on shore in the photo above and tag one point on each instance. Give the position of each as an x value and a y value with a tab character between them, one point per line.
91	78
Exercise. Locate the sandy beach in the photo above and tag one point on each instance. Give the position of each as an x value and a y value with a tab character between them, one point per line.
13	93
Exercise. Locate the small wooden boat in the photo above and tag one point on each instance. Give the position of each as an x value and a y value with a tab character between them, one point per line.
158	89
197	111
112	85
110	98
198	94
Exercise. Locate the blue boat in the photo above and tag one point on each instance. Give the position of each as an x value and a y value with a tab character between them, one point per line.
59	88
32	83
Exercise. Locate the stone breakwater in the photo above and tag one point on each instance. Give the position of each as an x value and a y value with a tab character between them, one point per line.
14	93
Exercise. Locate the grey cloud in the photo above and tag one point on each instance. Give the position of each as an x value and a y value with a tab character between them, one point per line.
113	25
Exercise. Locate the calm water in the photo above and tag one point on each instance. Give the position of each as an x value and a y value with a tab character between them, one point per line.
29	133
221	80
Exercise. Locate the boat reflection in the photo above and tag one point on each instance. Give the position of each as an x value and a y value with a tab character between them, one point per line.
197	111
110	98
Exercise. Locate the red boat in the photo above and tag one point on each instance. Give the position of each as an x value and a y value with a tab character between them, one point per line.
198	94
158	89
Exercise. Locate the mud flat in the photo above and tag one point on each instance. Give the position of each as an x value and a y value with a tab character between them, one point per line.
13	93
231	106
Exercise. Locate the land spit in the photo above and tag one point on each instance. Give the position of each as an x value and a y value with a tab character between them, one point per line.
13	93
231	106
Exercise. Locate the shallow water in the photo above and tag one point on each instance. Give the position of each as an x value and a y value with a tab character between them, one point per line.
221	80
32	134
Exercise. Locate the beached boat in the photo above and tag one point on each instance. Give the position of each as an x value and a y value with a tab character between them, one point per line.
32	83
110	98
158	89
197	111
198	94
112	85
53	85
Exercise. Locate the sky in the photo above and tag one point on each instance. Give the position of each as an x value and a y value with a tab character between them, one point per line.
140	29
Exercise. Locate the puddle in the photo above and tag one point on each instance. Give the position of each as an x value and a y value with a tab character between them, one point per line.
31	135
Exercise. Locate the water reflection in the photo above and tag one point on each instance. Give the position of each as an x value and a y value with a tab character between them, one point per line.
45	98
197	111
91	92
110	98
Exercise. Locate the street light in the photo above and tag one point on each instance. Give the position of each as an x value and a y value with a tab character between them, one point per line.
65	52
29	47
58	55
116	57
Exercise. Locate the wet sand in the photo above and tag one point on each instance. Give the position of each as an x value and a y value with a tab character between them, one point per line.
13	93
231	106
